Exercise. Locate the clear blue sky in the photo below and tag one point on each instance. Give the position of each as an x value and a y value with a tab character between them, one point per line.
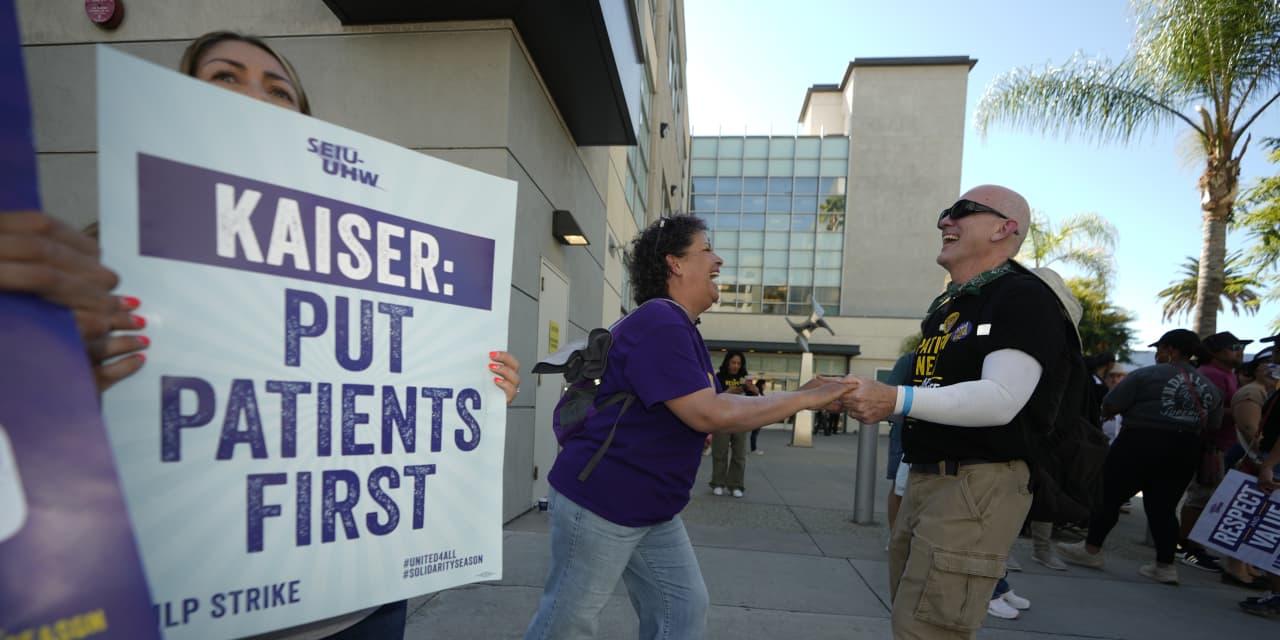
750	62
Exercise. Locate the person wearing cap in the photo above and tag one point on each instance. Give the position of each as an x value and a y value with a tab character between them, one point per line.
1268	604
995	350
1168	408
1259	379
1226	352
1112	377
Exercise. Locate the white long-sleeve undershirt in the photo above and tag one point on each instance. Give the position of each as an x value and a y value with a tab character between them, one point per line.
1009	376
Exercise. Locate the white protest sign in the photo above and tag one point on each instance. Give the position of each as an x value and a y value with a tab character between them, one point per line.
1242	522
316	430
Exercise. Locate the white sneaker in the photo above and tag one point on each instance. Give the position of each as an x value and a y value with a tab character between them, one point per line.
718	491
737	493
1166	573
1016	601
1076	553
1001	609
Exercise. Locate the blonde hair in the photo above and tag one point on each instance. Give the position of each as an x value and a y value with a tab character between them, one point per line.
191	57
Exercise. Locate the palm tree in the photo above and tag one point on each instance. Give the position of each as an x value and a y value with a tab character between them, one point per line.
1238	289
1194	63
1084	240
1259	217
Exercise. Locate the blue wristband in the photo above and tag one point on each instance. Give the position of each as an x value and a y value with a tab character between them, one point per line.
906	399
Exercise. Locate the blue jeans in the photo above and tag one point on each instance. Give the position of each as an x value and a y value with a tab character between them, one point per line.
589	554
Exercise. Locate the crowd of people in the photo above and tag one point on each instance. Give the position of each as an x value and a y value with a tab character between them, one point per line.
998	348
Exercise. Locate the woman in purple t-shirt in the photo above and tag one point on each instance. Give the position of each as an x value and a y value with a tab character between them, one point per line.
623	520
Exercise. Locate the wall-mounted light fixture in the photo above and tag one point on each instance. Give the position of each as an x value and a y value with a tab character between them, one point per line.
662	129
566	229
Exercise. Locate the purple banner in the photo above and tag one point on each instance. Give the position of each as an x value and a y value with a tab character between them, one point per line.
197	215
69	566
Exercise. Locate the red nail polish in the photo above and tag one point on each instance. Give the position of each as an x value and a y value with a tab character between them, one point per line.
146	342
141	357
131	302
494	366
498	380
493	355
139	322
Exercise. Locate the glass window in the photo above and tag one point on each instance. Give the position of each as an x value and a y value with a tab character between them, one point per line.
753	204
780	167
730	185
731	204
756	148
826	277
730	148
753	185
807	168
828	259
749	258
831	186
830	365
730	167
834	167
808	147
832	221
801	276
704	148
702	167
775	298
775	276
704	204
827	295
803	221
726	240
755	167
777	221
780	185
749	275
801	259
775	240
728	274
730	256
831	241
782	147
835	147
803	204
802	241
751	240
726	222
753	222
832	204
806	186
800	295
781	204
775	258
704	185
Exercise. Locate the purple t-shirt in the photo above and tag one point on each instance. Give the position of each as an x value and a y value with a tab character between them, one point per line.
645	476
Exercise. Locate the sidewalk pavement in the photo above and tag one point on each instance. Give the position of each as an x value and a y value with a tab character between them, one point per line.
787	562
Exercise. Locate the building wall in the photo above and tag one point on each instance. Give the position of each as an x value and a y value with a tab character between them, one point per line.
827	114
466	92
907	134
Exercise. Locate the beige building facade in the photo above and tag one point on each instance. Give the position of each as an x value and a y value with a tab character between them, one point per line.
522	93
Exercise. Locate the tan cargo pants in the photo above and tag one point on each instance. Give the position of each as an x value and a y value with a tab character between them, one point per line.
949	546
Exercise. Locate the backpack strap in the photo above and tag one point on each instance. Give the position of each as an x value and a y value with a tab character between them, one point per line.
627	399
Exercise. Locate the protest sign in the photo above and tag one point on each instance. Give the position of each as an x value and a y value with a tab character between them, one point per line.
68	563
316	430
1242	522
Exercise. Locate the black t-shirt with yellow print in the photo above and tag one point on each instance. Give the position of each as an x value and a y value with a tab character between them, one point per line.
1015	311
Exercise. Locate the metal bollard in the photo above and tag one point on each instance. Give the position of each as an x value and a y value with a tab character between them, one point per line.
864	491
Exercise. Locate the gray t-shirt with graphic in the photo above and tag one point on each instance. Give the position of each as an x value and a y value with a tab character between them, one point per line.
1167	396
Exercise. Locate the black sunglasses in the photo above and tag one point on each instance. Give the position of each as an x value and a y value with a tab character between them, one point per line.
964	208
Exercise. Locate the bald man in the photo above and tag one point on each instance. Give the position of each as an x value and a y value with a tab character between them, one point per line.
994	349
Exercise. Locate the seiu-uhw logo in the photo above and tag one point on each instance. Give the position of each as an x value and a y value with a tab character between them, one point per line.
342	161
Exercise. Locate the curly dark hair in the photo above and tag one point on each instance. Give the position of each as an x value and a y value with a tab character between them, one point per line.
646	260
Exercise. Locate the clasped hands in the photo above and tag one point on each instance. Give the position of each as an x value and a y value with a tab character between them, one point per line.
863	398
